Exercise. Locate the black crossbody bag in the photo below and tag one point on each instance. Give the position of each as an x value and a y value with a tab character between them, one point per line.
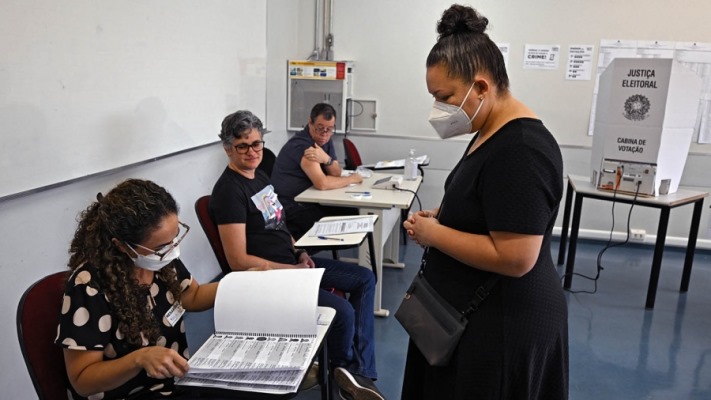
433	324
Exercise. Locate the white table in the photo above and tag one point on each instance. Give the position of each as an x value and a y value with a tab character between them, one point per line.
384	203
581	188
344	240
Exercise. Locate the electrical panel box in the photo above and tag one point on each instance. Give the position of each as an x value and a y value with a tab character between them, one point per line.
312	82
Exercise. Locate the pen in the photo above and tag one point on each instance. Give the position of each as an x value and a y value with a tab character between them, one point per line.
330	238
358	192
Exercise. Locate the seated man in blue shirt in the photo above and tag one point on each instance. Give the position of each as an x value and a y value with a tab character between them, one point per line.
250	220
309	159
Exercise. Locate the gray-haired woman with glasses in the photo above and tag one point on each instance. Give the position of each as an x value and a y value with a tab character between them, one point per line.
121	322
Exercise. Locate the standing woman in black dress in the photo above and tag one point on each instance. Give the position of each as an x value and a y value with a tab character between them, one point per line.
496	218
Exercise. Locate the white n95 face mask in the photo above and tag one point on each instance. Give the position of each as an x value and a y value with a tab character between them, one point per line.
449	120
154	262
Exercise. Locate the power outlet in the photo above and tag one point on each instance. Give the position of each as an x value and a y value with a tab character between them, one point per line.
638	235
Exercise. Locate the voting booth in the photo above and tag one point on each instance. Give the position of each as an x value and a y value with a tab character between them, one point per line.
645	115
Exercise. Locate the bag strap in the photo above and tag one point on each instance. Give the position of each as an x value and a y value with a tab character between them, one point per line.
481	293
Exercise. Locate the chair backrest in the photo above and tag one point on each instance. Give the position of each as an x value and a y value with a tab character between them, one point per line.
37	321
352	157
268	160
213	235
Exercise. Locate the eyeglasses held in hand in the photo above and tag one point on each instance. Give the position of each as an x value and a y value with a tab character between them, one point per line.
243	148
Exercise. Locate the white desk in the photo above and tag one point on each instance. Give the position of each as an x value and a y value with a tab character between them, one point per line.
386	204
581	188
397	165
345	240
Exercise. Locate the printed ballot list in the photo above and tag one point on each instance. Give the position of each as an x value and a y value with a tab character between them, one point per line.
229	352
263	341
262	330
340	226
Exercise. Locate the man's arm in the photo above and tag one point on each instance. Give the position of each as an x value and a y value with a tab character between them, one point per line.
321	181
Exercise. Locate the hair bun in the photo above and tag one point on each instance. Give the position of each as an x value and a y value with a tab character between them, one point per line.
461	19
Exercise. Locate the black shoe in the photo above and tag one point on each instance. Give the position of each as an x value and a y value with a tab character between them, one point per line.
311	378
355	387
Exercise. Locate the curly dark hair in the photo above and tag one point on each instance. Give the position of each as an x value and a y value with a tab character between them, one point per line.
130	213
464	49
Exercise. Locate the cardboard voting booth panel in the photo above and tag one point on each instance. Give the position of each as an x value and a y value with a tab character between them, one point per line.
646	111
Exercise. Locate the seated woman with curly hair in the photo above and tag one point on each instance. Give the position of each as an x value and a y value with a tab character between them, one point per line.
121	322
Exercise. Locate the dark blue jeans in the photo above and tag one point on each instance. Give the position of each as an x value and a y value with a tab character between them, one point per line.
351	342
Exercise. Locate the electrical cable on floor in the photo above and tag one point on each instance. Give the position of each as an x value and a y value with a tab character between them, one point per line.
608	245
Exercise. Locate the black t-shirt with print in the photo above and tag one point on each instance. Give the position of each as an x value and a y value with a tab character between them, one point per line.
237	200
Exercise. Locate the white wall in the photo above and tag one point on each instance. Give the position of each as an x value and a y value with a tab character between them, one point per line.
390	46
80	78
36	229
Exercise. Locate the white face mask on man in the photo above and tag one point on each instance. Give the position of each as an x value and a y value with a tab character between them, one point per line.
449	120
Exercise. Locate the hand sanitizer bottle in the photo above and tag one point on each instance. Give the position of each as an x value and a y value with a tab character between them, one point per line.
410	172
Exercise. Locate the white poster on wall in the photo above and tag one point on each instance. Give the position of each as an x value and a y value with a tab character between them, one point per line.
541	56
579	62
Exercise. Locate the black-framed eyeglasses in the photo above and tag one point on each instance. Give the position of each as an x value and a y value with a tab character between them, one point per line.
243	148
164	250
324	129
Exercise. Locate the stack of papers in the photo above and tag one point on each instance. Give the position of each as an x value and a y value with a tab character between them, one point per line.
340	226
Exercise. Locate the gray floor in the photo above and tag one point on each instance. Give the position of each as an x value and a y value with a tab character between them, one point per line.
618	349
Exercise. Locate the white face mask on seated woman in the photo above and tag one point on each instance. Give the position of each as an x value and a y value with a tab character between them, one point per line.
449	120
154	262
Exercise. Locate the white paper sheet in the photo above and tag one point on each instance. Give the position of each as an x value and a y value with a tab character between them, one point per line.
258	324
337	227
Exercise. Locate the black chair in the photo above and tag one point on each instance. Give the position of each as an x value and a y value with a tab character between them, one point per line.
268	160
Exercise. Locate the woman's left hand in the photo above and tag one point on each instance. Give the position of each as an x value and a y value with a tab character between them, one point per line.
420	227
306	259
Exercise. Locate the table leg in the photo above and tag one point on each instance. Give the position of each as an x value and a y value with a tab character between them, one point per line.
373	260
324	372
566	222
691	245
657	258
364	256
570	264
391	248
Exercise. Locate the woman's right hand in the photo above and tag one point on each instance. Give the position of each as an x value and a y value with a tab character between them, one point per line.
419	226
160	362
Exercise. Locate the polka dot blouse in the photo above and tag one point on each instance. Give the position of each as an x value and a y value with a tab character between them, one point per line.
87	323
